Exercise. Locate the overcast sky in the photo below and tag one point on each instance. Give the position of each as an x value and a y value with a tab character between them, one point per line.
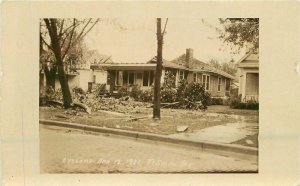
134	40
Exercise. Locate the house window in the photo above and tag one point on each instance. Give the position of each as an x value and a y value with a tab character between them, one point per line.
206	81
119	78
219	83
195	77
181	74
130	78
148	78
151	80
227	84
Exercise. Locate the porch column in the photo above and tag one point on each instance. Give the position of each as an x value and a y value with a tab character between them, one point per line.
162	77
176	78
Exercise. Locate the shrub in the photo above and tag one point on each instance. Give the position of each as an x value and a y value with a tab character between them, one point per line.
168	95
147	96
121	92
78	90
169	80
100	90
49	94
195	93
237	104
216	101
136	92
46	94
78	94
181	90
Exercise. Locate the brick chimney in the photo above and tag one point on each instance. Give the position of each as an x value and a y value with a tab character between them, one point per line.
189	55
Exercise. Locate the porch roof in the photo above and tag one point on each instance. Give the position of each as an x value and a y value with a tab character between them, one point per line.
126	66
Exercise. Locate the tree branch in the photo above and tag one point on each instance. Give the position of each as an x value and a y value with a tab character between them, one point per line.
70	41
82	34
49	27
61	27
41	37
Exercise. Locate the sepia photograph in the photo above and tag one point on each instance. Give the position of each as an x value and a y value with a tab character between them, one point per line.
149	93
154	95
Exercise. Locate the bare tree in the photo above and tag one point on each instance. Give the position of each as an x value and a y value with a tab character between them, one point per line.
62	35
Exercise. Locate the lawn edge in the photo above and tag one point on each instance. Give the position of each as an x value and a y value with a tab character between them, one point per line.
203	145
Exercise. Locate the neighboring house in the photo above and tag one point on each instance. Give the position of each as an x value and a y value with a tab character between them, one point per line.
216	82
249	77
234	85
89	72
83	74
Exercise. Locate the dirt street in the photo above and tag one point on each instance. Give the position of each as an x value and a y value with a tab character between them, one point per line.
71	151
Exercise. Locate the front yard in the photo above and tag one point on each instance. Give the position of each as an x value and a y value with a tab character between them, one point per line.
139	118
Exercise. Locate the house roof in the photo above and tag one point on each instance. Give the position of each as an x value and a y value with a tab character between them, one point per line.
249	60
178	63
199	66
166	63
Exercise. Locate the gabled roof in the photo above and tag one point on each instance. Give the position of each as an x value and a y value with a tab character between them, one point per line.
249	60
198	65
166	63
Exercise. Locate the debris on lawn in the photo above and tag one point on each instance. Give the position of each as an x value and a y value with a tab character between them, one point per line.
153	124
82	106
61	116
182	128
249	142
138	118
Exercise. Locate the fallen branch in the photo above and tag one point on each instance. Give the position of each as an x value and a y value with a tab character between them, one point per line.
85	107
54	103
164	105
137	118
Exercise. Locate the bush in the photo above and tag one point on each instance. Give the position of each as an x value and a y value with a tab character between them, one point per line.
49	94
195	93
78	90
136	92
100	90
246	105
181	90
147	96
168	95
121	92
235	102
78	94
46	94
216	101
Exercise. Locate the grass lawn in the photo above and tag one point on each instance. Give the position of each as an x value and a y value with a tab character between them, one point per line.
170	118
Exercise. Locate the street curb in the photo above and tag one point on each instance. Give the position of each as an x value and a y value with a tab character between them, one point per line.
148	136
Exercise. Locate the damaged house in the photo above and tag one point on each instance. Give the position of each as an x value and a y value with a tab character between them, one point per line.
185	66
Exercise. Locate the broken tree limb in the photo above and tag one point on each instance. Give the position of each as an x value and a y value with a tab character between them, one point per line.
137	118
55	103
85	107
164	105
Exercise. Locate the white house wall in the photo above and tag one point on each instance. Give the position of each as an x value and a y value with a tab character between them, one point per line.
101	76
84	78
243	81
72	81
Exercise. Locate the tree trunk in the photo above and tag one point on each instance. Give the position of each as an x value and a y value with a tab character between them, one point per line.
67	98
156	100
50	75
55	42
